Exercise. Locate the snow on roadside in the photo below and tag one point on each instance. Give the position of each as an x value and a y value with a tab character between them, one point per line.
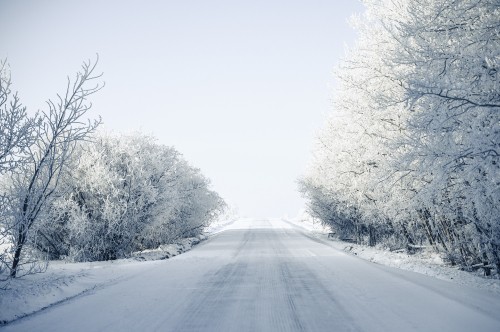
426	262
166	251
229	217
220	225
63	281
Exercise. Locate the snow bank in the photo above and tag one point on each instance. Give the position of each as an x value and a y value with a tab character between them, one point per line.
166	251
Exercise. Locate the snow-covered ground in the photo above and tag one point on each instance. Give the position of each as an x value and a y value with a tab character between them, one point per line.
249	269
425	262
219	225
63	280
266	275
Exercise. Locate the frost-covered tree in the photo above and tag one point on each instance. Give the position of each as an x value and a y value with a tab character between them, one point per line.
452	92
126	193
32	187
16	128
16	135
412	149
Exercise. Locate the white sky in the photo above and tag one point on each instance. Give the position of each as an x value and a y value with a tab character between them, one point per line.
239	87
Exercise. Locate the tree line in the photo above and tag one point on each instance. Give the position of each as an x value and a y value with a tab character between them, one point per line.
70	192
410	154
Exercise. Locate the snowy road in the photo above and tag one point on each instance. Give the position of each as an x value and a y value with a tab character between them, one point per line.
268	276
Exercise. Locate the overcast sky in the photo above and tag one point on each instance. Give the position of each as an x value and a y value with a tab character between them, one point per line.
239	87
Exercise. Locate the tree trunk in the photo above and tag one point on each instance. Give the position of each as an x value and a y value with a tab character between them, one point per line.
371	236
21	238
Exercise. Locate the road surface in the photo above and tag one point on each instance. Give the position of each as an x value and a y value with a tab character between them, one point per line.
269	276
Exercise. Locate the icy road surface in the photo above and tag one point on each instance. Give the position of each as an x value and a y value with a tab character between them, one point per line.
268	276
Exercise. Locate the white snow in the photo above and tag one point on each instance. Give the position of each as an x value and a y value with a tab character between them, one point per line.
64	280
425	262
253	275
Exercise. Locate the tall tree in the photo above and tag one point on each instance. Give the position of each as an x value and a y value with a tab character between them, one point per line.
419	153
58	130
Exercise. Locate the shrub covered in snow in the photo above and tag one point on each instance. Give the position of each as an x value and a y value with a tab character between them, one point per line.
126	193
